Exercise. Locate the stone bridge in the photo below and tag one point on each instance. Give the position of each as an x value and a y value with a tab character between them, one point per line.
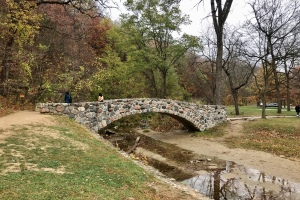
97	115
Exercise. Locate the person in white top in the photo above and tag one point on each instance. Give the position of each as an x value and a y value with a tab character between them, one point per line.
100	97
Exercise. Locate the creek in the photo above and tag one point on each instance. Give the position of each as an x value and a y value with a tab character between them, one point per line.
215	178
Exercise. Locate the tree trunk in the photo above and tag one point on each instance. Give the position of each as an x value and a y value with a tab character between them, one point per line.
288	96
219	14
263	112
274	67
236	101
164	76
218	93
6	62
217	185
277	85
264	92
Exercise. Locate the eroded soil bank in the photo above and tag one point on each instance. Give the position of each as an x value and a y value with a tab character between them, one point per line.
175	162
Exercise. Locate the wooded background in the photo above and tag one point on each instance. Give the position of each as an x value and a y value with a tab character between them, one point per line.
50	47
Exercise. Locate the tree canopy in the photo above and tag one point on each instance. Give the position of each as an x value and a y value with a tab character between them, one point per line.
50	47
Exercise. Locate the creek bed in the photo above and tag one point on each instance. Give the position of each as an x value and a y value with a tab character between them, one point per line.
215	178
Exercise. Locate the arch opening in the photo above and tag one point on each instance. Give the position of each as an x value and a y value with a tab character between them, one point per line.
139	118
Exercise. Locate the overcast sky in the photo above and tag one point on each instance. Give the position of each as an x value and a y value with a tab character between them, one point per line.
239	11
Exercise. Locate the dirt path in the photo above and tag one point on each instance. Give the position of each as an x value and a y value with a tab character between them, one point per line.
23	117
265	162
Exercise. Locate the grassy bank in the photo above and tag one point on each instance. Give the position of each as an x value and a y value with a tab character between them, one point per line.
279	136
64	161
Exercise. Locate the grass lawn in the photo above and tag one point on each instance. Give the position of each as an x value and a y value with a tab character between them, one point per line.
256	111
279	136
64	161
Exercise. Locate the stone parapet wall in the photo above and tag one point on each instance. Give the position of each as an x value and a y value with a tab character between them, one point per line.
97	115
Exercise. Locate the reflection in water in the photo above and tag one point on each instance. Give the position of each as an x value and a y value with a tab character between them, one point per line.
239	182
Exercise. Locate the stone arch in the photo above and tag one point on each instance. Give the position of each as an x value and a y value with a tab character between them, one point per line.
188	124
97	115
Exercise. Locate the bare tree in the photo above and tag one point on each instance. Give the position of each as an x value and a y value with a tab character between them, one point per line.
289	54
207	66
256	53
237	67
219	15
277	21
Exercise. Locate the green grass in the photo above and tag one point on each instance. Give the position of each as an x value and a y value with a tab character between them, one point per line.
257	111
71	164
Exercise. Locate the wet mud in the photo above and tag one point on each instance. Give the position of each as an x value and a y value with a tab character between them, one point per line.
177	163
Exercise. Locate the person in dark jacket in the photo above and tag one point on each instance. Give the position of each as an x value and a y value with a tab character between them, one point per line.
297	109
68	98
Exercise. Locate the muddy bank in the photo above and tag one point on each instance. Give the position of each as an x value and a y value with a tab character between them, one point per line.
179	156
175	162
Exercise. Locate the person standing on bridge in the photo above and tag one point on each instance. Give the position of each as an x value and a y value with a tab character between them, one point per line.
297	109
68	98
100	97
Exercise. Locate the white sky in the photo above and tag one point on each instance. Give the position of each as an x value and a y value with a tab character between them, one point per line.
199	15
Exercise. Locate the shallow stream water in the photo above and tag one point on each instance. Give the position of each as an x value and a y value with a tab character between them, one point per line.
239	182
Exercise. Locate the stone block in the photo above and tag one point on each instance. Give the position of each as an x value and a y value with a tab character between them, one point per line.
45	110
74	111
81	109
60	108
